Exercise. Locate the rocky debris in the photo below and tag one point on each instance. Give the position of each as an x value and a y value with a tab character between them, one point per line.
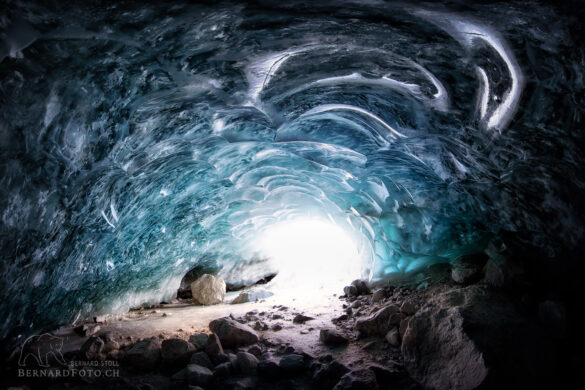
332	337
198	375
403	326
214	349
378	295
408	307
255	350
361	286
223	369
380	322
350	291
269	369
91	349
292	363
327	375
362	379
201	359
199	340
276	327
301	319
145	354
468	268
208	290
87	330
259	325
246	363
232	334
175	350
393	337
553	315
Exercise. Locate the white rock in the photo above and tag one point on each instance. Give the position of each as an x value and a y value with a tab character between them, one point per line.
208	290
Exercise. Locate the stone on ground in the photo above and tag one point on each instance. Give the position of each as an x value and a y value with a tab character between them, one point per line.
198	375
176	349
292	363
332	337
326	376
363	379
208	290
246	363
232	334
202	359
144	354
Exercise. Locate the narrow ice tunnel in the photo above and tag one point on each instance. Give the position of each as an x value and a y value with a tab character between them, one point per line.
323	143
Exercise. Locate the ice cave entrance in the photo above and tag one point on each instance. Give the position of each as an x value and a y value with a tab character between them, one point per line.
312	256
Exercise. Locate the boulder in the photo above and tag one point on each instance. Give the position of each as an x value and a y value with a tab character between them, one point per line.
145	354
173	350
232	334
362	379
246	363
332	337
408	308
380	322
201	359
199	340
361	286
214	349
350	291
301	319
223	370
208	290
378	295
198	376
474	336
327	375
393	338
292	363
269	369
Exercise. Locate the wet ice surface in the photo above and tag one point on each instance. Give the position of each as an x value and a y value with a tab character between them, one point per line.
140	141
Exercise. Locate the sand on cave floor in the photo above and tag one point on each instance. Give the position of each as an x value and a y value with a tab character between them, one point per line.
183	320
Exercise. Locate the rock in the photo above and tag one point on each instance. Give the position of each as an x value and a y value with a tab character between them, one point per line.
408	308
292	363
145	354
269	369
223	370
342	317
332	337
326	376
208	290
87	330
380	322
214	349
393	337
350	291
255	350
468	268
198	375
554	316
246	363
92	349
199	340
173	350
245	384
378	295
361	286
363	379
403	326
301	319
110	343
232	334
100	319
474	336
241	298
201	359
276	327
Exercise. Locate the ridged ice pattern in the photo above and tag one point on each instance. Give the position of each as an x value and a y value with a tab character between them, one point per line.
139	141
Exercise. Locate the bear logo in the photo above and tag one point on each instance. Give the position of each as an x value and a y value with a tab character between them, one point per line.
40	348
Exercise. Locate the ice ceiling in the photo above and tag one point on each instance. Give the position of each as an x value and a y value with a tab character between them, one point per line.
141	140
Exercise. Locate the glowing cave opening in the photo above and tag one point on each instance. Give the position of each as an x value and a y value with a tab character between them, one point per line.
312	254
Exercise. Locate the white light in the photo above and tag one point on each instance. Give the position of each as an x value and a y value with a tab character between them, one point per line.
311	254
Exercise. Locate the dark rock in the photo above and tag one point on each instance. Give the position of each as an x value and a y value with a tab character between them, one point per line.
350	291
199	340
201	359
326	358
342	317
393	337
332	337
378	295
380	322
363	379
326	376
232	333
245	384
403	326
92	349
223	370
292	363
276	327
174	350
145	354
554	316
255	350
468	268
214	349
361	286
408	308
269	369
301	319
198	375
246	363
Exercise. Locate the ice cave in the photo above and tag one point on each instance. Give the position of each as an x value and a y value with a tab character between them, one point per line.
292	195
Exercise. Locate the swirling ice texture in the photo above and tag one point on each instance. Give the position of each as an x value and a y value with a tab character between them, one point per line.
139	141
